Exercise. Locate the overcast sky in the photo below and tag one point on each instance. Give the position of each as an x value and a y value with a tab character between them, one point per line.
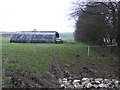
26	15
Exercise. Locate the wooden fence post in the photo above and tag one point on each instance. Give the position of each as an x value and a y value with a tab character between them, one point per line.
88	53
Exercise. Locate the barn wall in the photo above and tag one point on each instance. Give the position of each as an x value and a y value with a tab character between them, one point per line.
33	37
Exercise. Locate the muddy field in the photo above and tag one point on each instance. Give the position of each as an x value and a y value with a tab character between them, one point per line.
34	79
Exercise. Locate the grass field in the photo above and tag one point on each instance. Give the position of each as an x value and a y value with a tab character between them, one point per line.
36	60
67	37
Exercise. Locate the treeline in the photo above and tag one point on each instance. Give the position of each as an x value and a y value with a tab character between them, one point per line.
97	22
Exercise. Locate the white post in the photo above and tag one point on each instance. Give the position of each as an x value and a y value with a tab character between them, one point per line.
88	51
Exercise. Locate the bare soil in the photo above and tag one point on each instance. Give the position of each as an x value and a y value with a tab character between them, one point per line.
33	79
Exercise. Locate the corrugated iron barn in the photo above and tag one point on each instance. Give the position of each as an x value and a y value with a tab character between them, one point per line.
35	37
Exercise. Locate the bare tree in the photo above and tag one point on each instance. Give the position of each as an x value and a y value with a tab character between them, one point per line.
100	16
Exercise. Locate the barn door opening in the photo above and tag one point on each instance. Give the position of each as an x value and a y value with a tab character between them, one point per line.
57	35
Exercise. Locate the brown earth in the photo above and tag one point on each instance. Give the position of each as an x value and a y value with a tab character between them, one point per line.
33	79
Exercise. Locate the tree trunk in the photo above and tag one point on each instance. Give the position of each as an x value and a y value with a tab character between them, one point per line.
118	37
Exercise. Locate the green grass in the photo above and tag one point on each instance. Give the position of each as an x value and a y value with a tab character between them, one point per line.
39	57
5	39
67	37
32	54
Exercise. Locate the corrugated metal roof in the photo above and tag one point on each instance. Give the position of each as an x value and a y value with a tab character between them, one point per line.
35	32
34	36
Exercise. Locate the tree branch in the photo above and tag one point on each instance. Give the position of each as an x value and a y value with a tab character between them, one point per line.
105	5
92	13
